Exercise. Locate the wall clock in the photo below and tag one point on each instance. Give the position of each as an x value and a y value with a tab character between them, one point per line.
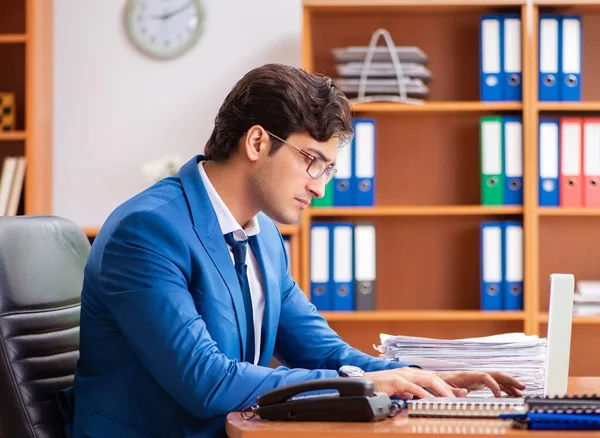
164	29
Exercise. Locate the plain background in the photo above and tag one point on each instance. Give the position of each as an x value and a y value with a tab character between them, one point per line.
116	109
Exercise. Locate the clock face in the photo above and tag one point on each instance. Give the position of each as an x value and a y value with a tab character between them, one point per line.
164	29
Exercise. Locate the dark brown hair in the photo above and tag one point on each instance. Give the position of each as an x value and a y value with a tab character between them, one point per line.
283	100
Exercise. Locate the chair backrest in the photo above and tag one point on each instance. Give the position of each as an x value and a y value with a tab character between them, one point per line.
42	259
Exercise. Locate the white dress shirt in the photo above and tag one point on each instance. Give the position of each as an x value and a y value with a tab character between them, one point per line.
229	224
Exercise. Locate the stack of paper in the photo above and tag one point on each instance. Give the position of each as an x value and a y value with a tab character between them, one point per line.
381	76
516	354
587	298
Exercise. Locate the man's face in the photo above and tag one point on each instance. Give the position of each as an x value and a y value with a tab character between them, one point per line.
282	185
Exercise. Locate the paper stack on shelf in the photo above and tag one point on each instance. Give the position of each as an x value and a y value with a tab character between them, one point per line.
586	301
521	356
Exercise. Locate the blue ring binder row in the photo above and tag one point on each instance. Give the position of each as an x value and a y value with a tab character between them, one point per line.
578	412
559	77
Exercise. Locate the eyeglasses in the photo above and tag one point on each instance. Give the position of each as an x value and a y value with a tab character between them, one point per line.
316	166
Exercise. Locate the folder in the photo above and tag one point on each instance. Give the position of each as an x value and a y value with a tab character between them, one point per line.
492	174
591	162
491	42
327	200
513	161
513	266
342	261
570	74
512	72
365	266
571	187
548	147
491	265
320	257
342	189
364	162
549	38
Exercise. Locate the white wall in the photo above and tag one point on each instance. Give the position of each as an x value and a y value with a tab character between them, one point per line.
115	109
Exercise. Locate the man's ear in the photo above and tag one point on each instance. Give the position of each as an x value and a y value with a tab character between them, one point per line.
257	143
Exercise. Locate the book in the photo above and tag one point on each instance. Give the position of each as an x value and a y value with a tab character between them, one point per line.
463	407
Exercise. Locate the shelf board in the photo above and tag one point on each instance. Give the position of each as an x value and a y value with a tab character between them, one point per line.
373	4
451	210
392	107
286	230
12	135
577	319
563	211
9	38
423	315
571	3
91	231
568	106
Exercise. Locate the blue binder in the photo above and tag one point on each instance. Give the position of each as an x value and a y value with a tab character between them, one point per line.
363	177
512	72
549	162
491	265
549	59
491	41
320	266
570	71
513	265
513	160
342	257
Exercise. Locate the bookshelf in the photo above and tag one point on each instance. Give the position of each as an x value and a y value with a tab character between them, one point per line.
26	59
428	211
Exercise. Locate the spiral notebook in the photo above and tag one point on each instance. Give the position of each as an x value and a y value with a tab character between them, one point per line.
463	407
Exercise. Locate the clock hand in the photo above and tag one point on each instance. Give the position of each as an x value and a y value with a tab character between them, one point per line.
176	11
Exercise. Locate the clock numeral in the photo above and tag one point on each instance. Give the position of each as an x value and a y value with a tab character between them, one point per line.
153	39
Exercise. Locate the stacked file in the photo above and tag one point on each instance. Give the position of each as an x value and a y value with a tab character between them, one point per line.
381	76
516	354
586	301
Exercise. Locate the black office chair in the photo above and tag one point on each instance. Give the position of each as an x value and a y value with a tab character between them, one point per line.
41	273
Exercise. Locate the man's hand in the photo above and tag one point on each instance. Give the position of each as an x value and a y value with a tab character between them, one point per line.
410	382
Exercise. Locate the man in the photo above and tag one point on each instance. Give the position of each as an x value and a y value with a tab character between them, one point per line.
187	293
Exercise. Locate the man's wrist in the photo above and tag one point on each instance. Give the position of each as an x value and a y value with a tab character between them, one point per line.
350	371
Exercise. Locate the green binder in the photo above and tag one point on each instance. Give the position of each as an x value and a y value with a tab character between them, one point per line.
492	160
327	200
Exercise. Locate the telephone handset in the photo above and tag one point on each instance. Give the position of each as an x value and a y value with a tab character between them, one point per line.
350	399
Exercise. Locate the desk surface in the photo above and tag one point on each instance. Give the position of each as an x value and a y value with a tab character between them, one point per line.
237	427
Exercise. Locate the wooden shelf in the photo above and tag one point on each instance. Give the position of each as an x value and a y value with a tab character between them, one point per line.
425	315
374	4
12	38
91	231
453	210
561	211
568	106
577	319
570	3
13	135
287	230
391	107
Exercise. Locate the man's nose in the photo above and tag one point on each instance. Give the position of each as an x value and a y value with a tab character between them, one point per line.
317	186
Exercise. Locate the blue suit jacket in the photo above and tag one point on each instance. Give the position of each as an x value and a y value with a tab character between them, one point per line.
163	326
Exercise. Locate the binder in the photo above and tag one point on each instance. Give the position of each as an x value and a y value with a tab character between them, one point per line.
513	265
364	163
549	54
342	193
570	74
571	189
492	174
327	200
490	56
548	151
320	258
591	162
512	72
491	265
513	161
365	266
341	259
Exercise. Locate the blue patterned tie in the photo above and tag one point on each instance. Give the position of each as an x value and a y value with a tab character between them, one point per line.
239	255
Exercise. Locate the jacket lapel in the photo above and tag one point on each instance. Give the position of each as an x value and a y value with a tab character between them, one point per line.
272	301
208	230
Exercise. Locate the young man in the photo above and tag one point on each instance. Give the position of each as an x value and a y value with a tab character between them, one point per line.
187	293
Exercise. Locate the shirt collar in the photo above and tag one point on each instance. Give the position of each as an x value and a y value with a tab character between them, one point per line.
226	220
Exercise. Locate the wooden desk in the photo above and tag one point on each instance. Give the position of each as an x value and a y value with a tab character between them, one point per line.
403	426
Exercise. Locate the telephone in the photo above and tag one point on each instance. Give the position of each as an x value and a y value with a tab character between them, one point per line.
350	399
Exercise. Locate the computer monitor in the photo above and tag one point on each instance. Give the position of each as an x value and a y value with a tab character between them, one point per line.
560	320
